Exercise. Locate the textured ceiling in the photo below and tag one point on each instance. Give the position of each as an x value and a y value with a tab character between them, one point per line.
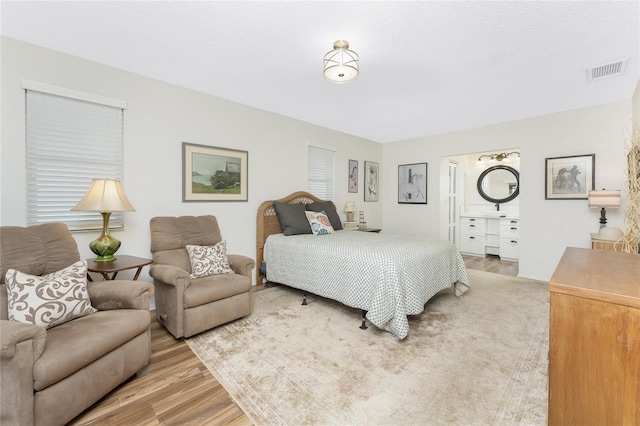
425	67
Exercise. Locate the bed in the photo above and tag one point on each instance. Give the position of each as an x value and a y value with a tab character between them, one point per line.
386	276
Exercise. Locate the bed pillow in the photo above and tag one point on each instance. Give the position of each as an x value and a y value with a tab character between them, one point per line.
209	260
51	299
292	218
319	222
330	210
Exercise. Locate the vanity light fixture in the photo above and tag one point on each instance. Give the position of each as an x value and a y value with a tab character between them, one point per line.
341	65
499	157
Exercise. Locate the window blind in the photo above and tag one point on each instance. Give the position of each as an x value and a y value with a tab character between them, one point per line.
69	142
321	171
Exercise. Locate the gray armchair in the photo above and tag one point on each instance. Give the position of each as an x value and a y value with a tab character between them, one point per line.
187	306
50	376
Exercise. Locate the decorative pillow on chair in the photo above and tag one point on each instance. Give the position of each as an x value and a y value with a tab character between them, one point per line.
209	260
320	224
51	299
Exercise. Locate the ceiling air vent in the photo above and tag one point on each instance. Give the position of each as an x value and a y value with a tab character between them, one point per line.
607	70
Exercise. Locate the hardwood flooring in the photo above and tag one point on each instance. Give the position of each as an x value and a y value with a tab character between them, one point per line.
177	389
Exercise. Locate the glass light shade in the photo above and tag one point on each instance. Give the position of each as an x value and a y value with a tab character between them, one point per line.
105	196
341	65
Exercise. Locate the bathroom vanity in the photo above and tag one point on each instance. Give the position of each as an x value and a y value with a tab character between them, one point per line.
490	233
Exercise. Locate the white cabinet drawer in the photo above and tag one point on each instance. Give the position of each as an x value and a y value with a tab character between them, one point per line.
469	227
472	244
509	230
509	248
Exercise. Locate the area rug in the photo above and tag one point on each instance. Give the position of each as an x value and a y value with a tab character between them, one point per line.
479	360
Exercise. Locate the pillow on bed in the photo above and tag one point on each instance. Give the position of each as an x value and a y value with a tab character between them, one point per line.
319	222
330	210
292	218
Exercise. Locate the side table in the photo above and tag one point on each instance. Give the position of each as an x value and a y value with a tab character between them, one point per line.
605	245
122	263
370	230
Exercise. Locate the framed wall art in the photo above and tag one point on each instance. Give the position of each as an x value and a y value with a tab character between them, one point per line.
569	178
353	176
371	181
412	183
214	174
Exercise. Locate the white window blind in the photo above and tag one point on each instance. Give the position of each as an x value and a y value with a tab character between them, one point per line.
69	142
321	171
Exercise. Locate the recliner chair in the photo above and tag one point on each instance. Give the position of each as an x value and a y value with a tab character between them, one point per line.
50	376
187	306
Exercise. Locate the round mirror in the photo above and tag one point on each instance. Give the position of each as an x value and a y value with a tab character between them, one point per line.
499	184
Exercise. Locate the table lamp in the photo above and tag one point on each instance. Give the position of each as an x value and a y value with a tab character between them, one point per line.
105	196
604	199
349	208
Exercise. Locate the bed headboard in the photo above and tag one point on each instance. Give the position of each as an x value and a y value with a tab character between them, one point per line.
267	223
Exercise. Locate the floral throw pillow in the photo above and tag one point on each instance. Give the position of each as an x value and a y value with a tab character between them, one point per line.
209	260
320	224
51	299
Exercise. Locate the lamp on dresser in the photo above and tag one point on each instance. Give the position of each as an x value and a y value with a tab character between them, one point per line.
604	199
105	196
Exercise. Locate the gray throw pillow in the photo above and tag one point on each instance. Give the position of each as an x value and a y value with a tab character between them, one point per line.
330	210
292	218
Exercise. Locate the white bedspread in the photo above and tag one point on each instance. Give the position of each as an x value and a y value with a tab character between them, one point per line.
390	276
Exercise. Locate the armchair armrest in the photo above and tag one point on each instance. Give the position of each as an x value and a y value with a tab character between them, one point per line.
12	333
120	294
240	264
169	274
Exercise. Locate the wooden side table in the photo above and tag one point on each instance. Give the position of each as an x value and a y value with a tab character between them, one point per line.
122	263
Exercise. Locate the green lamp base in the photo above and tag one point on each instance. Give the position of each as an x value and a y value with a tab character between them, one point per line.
105	246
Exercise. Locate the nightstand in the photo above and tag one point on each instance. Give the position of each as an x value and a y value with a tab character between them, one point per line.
376	230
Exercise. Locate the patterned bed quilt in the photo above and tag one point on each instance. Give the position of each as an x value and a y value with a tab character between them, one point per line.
389	276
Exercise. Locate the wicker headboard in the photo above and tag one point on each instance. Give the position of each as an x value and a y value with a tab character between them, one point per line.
267	223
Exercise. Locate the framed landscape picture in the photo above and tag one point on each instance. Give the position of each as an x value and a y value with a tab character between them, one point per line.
353	176
213	174
371	181
412	183
569	178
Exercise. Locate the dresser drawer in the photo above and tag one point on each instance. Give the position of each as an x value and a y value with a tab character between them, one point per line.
472	244
509	248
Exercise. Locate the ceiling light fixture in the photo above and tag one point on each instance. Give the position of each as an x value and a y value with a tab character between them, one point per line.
499	157
341	65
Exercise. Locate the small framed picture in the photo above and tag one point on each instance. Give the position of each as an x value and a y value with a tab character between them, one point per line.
353	176
412	183
569	178
213	174
371	181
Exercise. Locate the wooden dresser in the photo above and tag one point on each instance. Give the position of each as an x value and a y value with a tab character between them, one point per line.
594	339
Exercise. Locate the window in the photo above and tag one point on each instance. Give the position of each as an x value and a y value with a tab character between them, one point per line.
320	179
71	139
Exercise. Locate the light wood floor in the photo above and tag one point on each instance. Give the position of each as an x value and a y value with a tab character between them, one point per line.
177	389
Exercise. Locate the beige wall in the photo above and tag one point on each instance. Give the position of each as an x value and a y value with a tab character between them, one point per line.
159	118
547	226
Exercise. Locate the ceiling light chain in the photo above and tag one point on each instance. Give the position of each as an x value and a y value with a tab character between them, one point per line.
341	65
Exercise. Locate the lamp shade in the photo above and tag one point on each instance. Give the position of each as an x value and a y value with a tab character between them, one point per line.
609	199
341	65
350	207
105	195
